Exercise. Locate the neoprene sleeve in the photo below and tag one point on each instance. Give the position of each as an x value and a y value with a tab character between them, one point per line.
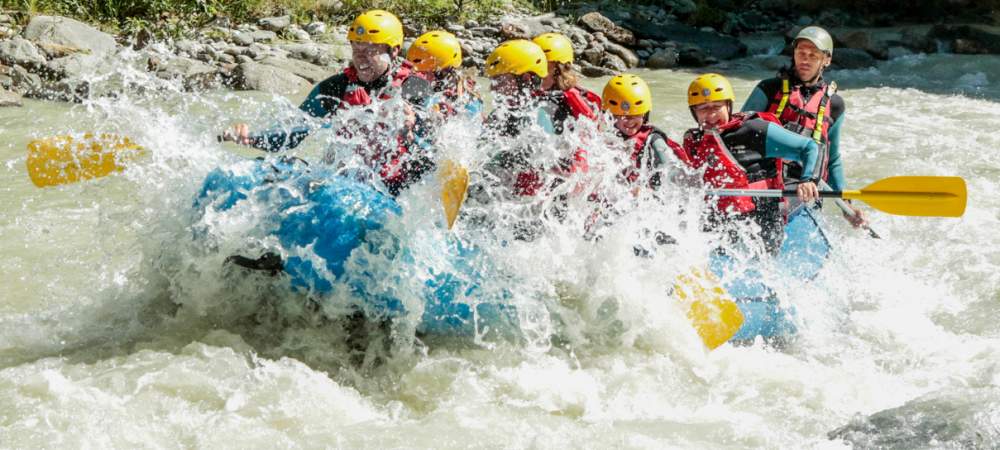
836	165
756	102
781	143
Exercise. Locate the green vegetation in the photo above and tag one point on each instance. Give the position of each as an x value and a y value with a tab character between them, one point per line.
129	15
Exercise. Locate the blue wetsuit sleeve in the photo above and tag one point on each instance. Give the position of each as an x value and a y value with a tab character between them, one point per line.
781	143
280	137
757	101
836	166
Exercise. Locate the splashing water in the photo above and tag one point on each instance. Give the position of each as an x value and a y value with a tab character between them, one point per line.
121	326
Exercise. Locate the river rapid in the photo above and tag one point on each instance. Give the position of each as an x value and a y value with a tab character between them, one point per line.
118	330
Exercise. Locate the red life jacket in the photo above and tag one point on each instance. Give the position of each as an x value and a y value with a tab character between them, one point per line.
809	116
582	102
388	161
640	139
706	149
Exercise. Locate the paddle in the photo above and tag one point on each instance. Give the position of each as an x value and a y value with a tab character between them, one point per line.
67	159
848	211
902	196
454	185
712	312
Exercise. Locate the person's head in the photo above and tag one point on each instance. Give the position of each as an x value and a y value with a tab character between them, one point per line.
812	51
516	68
710	98
435	54
559	54
376	37
628	99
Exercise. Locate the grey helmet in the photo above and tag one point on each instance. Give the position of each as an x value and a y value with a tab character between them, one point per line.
819	37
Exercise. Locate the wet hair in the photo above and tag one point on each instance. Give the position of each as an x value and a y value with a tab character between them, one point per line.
565	77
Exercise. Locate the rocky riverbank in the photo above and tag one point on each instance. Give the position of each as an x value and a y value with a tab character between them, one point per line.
58	58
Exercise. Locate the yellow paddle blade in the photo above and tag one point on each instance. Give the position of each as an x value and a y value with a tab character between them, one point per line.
67	159
713	314
454	184
915	196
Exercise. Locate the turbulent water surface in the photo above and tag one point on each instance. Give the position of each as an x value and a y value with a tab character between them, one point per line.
121	327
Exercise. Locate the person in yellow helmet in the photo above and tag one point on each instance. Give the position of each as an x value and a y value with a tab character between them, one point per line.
796	96
376	71
743	151
437	56
562	86
628	99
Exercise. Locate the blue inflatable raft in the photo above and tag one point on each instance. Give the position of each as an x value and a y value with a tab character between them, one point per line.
334	243
802	255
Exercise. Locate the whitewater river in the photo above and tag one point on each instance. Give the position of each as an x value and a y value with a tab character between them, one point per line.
118	331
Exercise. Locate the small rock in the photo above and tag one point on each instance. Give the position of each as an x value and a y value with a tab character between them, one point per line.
242	38
590	70
8	98
310	72
643	53
626	55
471	24
189	46
261	77
6	19
299	35
264	36
804	21
663	59
315	28
852	58
194	74
72	66
646	43
593	55
612	61
20	51
24	82
244	59
692	57
513	30
454	28
275	24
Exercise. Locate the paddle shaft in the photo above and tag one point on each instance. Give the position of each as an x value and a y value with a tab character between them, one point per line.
770	193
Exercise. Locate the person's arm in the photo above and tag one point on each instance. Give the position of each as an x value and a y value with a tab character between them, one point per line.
666	162
756	102
784	144
282	137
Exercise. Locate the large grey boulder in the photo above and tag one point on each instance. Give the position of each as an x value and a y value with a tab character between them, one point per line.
664	58
20	51
276	24
266	78
193	74
310	72
852	58
24	82
597	23
70	33
72	66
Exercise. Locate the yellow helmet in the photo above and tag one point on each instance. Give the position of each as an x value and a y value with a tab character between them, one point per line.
627	95
710	87
557	48
377	27
435	50
517	57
